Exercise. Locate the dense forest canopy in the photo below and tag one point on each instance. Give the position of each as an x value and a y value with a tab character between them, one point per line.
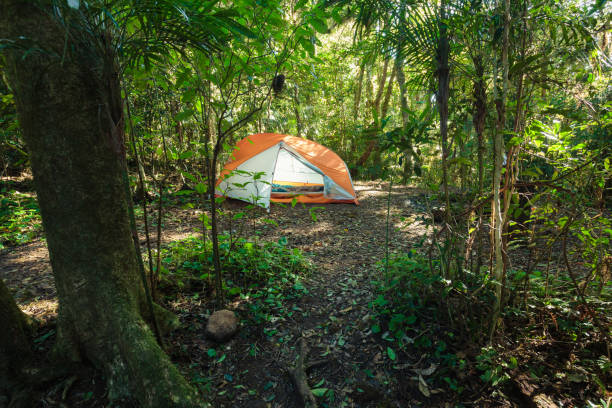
484	264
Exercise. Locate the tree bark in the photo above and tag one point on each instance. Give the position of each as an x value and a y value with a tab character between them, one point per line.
357	101
369	148
479	118
497	216
212	181
370	133
479	115
14	342
385	104
384	109
296	110
69	105
382	79
443	52
374	105
401	83
369	94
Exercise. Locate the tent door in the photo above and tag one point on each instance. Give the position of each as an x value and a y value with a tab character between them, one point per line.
294	175
292	167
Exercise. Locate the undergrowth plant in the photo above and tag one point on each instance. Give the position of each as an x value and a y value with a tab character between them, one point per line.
250	266
417	308
19	218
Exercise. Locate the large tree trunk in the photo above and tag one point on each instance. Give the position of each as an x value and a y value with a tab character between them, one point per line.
15	344
69	107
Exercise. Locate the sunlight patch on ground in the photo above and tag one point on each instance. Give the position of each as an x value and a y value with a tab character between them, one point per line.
411	221
43	310
394	212
365	193
177	235
34	251
321	226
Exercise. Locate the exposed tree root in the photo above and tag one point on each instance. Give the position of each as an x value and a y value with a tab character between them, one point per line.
315	363
25	388
67	384
298	375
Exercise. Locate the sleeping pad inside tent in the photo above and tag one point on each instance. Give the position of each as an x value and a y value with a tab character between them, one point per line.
271	167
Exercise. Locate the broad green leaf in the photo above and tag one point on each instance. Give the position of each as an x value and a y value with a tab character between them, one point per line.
184	115
186	155
307	45
200	188
319	25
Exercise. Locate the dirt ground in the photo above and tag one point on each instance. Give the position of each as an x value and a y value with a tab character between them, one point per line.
351	366
344	243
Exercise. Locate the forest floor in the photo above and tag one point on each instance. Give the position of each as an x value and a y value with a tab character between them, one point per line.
351	365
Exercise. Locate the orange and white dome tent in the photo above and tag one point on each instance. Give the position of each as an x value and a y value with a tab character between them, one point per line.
271	167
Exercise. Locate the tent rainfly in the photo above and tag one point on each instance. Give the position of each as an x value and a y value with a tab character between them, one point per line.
271	167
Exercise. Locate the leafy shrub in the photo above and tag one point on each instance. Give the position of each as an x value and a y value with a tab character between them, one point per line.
414	293
19	218
419	309
248	266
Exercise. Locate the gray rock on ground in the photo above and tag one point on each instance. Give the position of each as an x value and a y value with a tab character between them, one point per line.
221	326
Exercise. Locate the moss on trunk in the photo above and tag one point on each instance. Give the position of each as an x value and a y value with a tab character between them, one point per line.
66	87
